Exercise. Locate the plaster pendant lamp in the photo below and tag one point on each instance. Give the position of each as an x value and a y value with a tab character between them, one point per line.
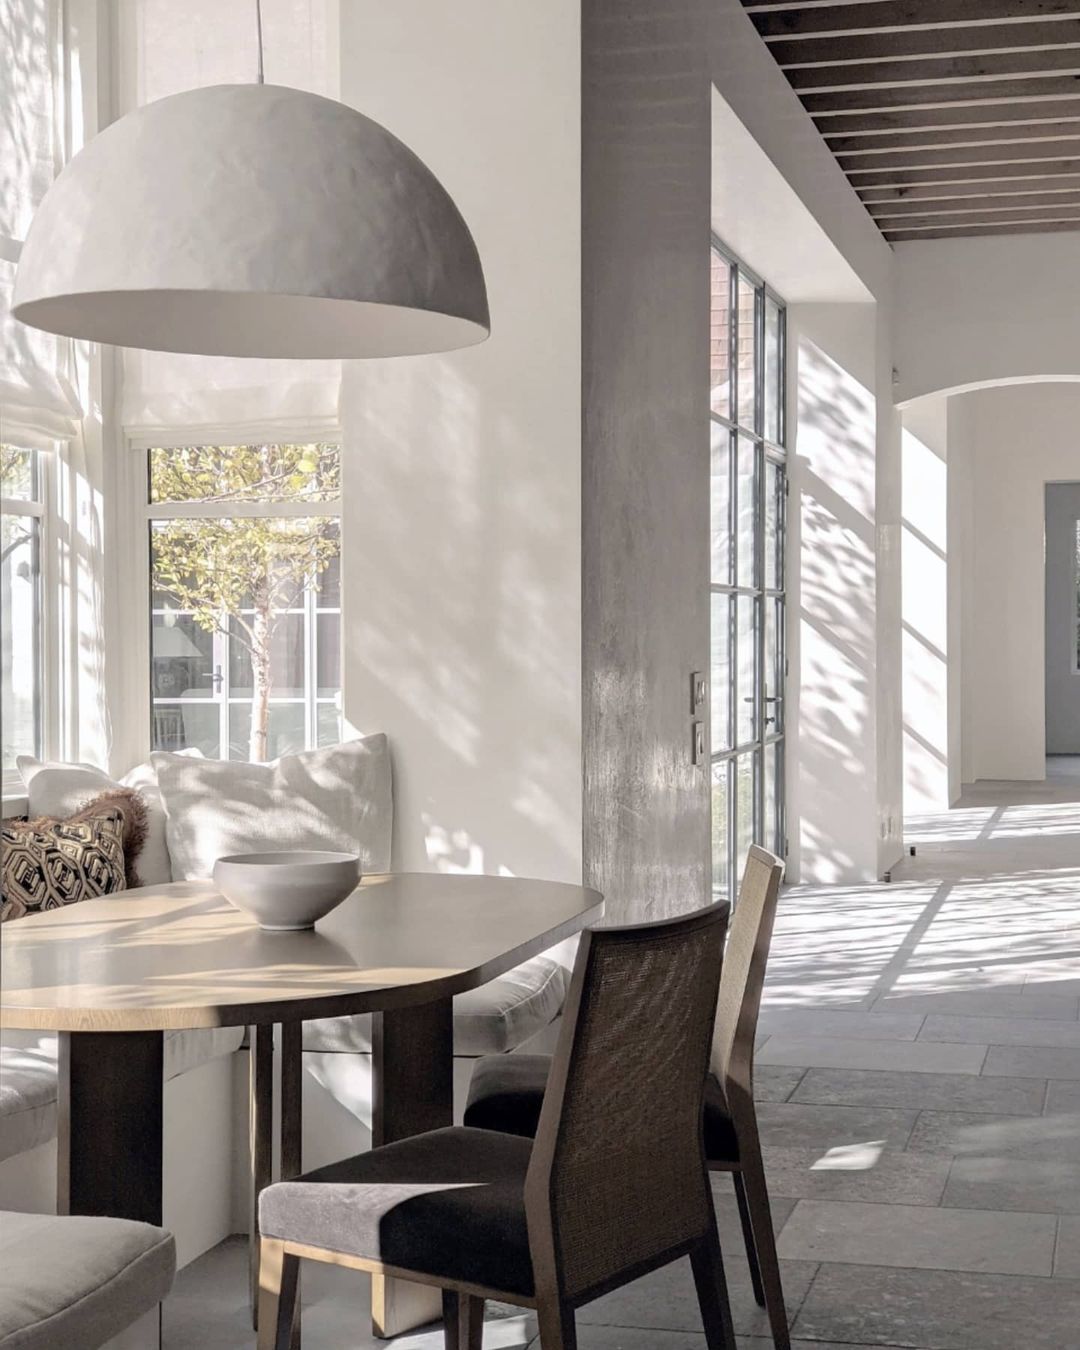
252	220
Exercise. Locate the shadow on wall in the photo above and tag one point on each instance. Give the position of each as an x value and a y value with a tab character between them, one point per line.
924	566
461	582
831	624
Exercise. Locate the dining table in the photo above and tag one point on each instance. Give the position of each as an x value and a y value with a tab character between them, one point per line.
111	976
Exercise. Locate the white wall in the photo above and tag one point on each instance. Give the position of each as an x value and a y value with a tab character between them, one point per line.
925	643
832	632
981	310
1021	437
461	519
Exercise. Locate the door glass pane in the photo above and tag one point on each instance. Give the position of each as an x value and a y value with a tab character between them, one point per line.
720	337
744	809
774	760
328	663
181	657
329	585
721	504
284	730
720	678
774	661
181	726
721	853
329	719
20	616
285	648
745	659
773	381
746	516
747	354
774	539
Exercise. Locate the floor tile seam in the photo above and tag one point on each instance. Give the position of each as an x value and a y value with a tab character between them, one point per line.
907	1204
939	1270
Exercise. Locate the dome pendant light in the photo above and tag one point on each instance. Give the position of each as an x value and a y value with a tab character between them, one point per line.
252	220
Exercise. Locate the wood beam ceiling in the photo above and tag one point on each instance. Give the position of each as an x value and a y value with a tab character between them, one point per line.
948	116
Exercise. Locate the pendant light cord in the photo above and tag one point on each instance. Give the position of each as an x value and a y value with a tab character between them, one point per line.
258	30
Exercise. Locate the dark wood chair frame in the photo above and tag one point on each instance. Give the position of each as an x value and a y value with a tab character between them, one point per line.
463	1304
749	939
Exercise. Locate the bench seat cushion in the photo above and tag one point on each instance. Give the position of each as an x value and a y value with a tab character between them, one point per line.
28	1075
491	1020
68	1282
27	1096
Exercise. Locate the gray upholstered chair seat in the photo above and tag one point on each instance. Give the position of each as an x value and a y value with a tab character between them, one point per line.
507	1091
28	1078
72	1283
490	1020
449	1204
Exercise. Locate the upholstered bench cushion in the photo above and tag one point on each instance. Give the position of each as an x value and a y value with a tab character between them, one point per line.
490	1020
448	1204
28	1076
506	1093
76	1282
27	1097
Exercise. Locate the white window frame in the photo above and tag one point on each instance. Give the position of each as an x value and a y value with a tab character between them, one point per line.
41	508
145	513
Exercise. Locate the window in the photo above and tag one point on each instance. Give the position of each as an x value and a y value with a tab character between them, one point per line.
748	498
22	523
245	567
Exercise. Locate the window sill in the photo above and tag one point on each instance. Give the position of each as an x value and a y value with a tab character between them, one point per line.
13	805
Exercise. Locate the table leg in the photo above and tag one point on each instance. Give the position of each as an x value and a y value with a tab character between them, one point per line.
111	1116
292	1126
261	1142
412	1067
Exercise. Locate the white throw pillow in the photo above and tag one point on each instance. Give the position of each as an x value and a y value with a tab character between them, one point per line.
55	789
338	798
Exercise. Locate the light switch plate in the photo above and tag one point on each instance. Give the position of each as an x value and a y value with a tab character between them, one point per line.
699	692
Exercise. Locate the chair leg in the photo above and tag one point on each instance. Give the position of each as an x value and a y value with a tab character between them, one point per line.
748	1239
708	1267
278	1272
757	1201
463	1321
557	1327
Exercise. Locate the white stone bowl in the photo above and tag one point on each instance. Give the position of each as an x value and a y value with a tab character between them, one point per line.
287	891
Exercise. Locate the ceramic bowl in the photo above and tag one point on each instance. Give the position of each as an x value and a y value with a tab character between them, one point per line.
287	891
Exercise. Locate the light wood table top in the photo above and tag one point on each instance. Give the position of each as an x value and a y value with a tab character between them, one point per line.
180	955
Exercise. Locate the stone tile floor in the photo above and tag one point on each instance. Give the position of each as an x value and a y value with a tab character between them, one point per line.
919	1074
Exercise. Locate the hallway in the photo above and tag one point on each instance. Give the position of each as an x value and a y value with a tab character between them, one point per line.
923	1061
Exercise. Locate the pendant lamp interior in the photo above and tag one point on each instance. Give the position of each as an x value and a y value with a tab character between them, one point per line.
252	220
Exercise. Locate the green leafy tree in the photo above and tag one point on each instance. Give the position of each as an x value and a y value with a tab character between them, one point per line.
238	574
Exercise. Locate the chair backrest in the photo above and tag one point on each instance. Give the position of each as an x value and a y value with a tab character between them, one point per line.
617	1177
732	1058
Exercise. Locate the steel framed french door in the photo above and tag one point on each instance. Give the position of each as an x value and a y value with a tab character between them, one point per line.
748	510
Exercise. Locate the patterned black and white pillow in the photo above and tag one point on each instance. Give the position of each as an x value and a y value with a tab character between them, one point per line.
46	864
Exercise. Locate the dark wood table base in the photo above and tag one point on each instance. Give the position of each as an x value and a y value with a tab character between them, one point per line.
112	1083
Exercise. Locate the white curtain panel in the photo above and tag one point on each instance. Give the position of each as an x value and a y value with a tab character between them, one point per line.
164	48
39	397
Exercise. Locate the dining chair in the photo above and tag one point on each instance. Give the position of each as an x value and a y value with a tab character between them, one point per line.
507	1091
614	1186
